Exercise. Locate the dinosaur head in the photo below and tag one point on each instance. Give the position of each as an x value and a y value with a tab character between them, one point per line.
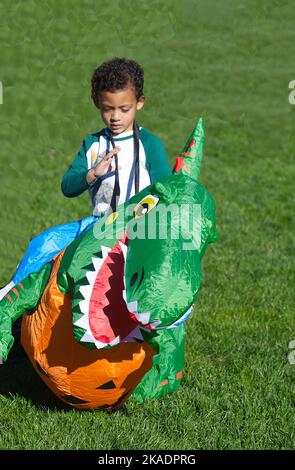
140	268
167	237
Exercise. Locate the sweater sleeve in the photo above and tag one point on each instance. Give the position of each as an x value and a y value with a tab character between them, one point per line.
74	180
157	161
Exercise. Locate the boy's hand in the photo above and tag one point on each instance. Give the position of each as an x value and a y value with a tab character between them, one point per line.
103	167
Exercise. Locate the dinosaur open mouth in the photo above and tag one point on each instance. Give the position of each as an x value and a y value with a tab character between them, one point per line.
101	314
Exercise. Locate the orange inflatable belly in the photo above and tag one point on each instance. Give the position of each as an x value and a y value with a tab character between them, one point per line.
81	377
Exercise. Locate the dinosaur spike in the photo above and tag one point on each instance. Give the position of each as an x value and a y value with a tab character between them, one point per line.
188	162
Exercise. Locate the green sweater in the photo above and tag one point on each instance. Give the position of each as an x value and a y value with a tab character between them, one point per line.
74	180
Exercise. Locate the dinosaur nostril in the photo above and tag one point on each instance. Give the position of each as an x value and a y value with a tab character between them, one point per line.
141	279
133	279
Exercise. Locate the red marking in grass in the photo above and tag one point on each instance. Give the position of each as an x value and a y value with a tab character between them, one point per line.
180	164
9	298
21	286
179	375
15	291
163	383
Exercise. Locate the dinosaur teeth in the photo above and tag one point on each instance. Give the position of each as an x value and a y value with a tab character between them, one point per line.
143	318
84	306
82	322
87	338
97	262
124	249
115	341
91	276
136	334
124	294
144	328
133	336
86	291
100	345
105	251
132	306
155	324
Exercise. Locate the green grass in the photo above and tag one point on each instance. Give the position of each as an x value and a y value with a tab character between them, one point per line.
230	62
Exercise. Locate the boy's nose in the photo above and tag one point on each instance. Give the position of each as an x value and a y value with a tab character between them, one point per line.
115	116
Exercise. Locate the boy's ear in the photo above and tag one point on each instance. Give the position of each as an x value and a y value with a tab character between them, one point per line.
140	103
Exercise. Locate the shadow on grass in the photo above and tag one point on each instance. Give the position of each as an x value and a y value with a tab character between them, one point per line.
18	377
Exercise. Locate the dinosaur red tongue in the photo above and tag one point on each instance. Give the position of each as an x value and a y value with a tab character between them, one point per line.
109	318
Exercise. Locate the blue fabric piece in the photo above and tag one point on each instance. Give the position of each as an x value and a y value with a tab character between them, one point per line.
44	246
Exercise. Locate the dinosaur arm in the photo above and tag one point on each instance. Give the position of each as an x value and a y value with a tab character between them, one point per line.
22	298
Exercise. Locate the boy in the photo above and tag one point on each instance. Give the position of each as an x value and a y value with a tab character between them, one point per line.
117	91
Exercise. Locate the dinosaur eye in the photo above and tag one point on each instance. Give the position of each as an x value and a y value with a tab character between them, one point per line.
145	206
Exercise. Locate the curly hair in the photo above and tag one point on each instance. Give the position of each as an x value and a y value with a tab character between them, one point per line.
117	74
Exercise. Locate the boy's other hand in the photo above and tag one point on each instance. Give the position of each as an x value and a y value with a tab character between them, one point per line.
104	166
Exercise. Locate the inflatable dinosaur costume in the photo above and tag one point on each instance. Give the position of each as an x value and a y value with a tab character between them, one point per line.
105	318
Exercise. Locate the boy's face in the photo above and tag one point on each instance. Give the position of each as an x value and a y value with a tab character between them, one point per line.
118	109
